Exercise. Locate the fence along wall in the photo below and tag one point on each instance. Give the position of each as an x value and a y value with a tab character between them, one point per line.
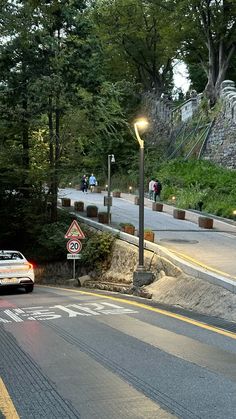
221	144
228	96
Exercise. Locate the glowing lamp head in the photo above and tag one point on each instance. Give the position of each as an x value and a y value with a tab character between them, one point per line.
234	212
141	123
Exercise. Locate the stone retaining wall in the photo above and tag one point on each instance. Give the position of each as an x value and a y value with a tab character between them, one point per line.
124	263
220	146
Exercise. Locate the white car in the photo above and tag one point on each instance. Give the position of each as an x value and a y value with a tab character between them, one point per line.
15	270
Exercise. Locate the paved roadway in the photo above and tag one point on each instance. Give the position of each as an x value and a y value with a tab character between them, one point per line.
214	249
77	354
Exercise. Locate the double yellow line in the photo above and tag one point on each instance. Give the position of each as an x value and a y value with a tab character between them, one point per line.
202	265
7	407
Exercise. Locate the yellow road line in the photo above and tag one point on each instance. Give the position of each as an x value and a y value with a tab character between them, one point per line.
6	405
156	310
209	268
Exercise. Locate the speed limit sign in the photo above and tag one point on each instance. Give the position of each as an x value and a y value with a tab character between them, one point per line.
74	246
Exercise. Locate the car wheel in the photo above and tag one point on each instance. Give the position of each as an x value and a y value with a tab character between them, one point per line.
29	288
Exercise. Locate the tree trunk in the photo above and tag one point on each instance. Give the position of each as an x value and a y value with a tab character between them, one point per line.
219	60
25	136
53	186
212	63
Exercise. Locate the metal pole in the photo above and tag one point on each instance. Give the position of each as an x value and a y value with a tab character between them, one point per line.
109	188
141	276
141	207
73	268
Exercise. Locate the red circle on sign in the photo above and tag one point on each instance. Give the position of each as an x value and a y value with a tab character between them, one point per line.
74	246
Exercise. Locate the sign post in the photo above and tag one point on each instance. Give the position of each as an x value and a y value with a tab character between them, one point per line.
74	246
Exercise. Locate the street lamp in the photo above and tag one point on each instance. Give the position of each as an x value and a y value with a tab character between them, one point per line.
141	276
111	159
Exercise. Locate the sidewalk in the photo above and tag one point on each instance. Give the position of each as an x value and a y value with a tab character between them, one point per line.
221	224
209	252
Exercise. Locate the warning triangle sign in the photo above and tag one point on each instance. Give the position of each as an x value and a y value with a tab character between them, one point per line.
74	231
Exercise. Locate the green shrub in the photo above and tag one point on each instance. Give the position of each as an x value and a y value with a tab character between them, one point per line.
193	181
221	205
126	224
97	249
168	191
51	243
189	197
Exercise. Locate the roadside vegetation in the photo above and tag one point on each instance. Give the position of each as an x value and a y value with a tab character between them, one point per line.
194	181
45	246
186	183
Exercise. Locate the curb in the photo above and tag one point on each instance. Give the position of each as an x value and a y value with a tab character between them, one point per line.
189	268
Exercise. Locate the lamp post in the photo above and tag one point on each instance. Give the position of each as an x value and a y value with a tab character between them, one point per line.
111	159
141	123
141	276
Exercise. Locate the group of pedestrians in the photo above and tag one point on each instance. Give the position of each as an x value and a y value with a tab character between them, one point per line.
88	183
154	189
154	186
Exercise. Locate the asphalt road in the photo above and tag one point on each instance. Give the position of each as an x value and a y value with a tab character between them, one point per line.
214	249
73	354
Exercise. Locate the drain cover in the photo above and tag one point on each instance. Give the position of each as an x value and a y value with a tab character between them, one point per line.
179	241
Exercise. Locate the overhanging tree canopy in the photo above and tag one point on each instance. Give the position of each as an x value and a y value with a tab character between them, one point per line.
208	35
135	36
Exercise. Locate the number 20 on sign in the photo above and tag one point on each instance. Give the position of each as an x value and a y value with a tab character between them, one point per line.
74	246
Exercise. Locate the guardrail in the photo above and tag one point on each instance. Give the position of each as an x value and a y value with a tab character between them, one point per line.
197	271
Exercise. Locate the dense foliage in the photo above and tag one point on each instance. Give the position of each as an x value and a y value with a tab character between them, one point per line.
193	181
207	35
97	249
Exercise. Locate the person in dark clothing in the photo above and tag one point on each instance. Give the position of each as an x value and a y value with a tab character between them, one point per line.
84	184
157	187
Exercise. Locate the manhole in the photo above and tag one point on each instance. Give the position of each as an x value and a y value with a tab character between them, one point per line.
179	241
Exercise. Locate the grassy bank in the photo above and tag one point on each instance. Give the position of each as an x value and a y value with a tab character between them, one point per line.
193	181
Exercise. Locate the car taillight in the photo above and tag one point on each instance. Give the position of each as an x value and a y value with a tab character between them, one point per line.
30	266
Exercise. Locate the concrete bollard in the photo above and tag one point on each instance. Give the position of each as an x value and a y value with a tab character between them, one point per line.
79	206
92	211
65	202
179	214
103	217
136	200
157	206
205	222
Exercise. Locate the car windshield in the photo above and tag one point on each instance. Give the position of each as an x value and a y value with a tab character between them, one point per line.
10	255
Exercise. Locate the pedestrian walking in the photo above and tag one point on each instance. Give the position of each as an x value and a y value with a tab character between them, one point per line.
157	190
84	184
150	189
92	182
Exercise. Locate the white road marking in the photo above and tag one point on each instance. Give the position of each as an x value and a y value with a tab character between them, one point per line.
57	311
